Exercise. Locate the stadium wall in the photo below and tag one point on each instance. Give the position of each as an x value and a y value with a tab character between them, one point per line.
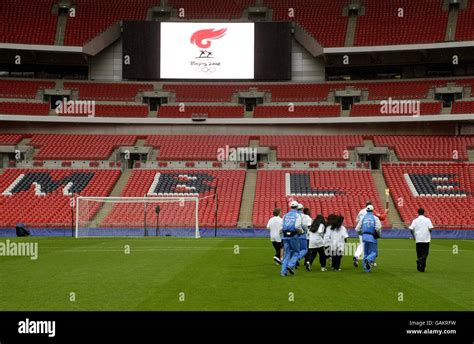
107	65
305	67
412	128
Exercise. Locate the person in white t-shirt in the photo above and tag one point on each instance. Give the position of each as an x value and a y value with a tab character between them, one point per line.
337	238
316	243
306	223
275	225
327	243
359	253
421	228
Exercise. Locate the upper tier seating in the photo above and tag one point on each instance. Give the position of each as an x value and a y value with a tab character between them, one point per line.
78	147
93	17
443	190
107	91
193	147
427	147
229	185
423	21
272	111
315	17
41	198
314	148
340	192
27	22
22	88
174	111
465	24
212	9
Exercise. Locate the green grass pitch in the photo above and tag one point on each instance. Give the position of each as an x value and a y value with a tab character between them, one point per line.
174	274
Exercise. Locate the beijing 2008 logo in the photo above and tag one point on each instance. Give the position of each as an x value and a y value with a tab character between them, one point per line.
203	39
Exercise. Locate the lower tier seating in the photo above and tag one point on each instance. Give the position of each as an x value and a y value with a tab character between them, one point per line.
324	192
41	198
443	190
201	183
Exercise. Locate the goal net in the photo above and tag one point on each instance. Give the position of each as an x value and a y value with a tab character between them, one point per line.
137	216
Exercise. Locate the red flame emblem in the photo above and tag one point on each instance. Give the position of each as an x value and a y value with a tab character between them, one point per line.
202	38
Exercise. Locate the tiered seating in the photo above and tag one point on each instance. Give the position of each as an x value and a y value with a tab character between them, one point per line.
28	22
447	197
102	110
193	147
93	17
212	9
78	147
300	92
17	108
40	198
309	92
376	110
399	89
381	24
315	17
334	148
205	92
173	111
10	139
463	107
229	185
427	148
22	88
350	189
108	91
465	24
271	111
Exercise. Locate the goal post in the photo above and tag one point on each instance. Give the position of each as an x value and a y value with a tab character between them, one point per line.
137	216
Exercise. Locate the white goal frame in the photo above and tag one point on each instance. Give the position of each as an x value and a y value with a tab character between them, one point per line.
150	199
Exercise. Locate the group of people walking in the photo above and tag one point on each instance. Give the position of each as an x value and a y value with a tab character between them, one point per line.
297	237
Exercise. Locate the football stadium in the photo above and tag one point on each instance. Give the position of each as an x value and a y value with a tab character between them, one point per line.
237	155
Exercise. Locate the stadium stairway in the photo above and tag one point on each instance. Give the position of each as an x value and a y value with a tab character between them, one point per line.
451	25
350	31
116	191
60	29
248	198
393	215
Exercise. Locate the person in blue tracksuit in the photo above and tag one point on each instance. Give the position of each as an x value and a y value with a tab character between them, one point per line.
292	226
369	227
